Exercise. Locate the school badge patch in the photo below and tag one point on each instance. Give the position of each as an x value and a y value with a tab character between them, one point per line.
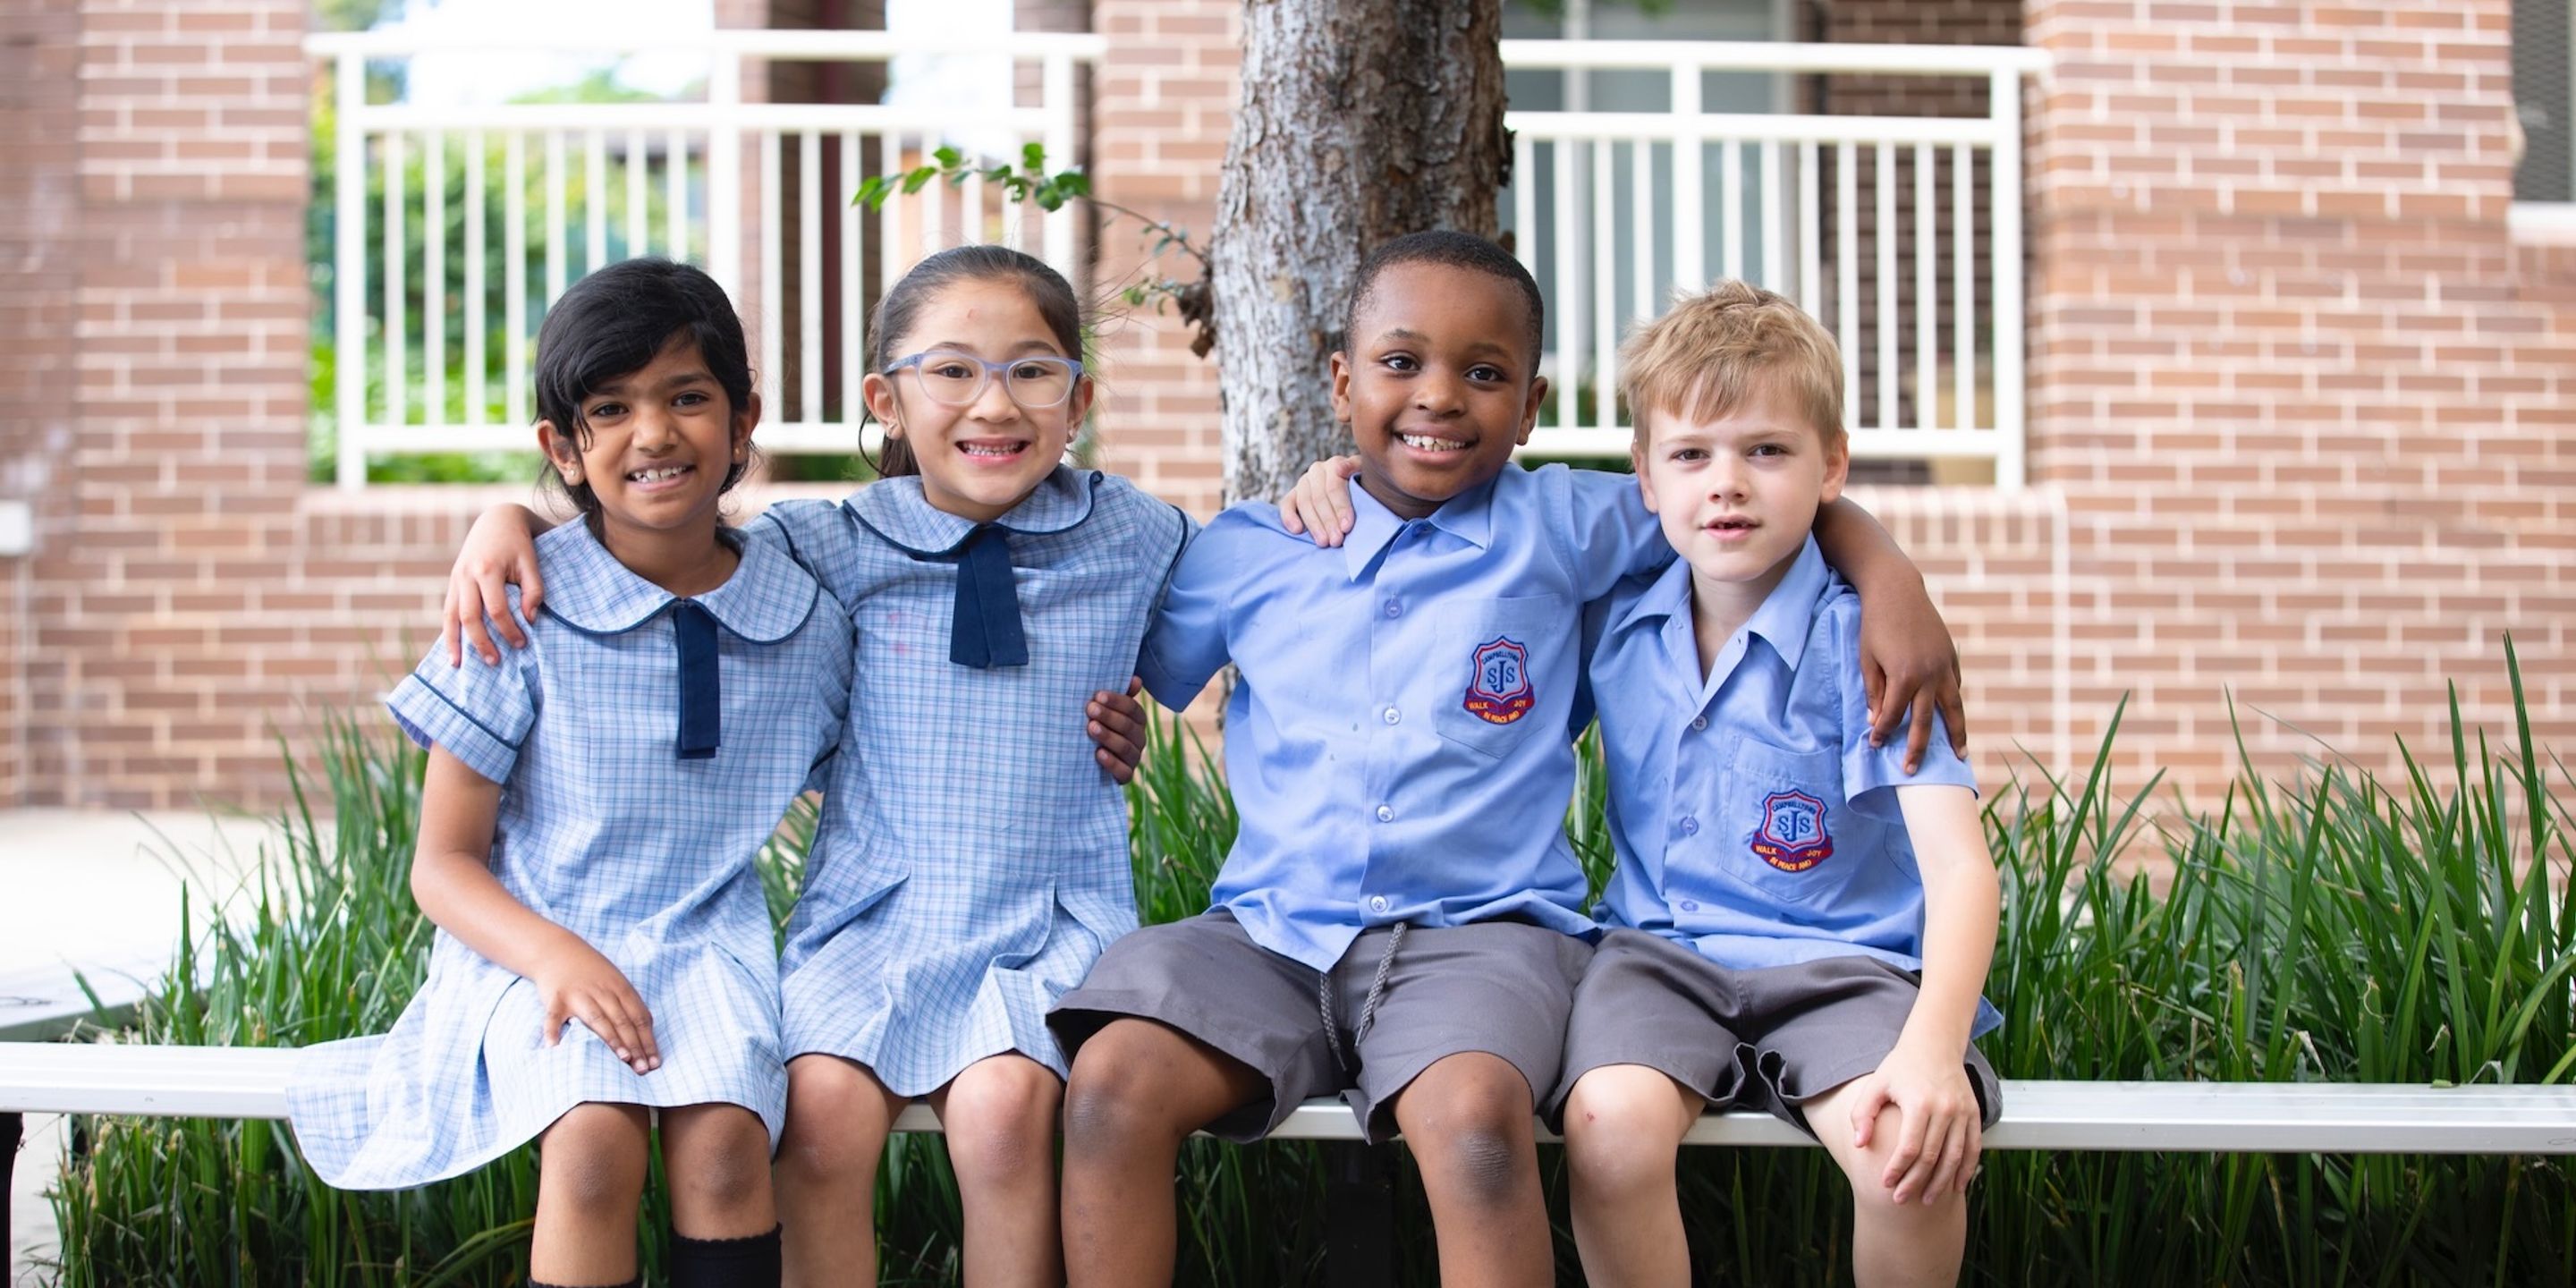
1499	690
1792	836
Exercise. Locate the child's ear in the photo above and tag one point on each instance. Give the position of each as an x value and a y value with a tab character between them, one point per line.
745	419
1079	406
1341	387
560	452
1529	407
1837	471
878	391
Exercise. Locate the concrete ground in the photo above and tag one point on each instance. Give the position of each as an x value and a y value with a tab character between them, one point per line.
95	895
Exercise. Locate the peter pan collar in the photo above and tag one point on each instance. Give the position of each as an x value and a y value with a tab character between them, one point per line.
896	511
764	601
1468	516
1784	619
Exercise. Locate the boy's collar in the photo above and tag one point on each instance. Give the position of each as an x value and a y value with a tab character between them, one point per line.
764	601
896	510
1784	618
1468	516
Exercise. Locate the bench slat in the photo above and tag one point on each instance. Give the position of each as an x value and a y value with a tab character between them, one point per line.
2191	1117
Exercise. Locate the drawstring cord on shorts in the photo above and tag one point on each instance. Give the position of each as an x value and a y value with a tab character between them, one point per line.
1368	1008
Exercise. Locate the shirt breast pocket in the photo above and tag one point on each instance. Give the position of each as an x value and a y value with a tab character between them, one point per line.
1485	676
1783	823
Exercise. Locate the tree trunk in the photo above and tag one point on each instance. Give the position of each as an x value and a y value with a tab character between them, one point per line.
1361	120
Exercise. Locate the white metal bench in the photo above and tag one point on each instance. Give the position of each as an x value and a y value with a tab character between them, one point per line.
2183	1117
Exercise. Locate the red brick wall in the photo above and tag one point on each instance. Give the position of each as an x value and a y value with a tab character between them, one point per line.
1167	96
2311	409
39	199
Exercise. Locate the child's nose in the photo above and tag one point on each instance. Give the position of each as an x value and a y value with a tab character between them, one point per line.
995	401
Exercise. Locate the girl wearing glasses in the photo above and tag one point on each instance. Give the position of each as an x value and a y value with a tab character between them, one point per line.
972	858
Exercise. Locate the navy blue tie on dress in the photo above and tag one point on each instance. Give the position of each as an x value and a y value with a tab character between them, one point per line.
984	629
701	691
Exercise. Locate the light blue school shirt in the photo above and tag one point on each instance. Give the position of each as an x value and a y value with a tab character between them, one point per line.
1397	739
1752	817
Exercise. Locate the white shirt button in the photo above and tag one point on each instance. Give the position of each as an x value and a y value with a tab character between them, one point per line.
1690	905
1699	722
1392	715
1377	903
1690	826
1394	609
1386	813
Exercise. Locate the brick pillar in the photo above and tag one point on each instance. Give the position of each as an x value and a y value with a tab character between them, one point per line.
163	208
2309	405
1166	103
39	203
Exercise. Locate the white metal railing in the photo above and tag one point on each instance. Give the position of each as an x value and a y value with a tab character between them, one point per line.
1816	207
601	170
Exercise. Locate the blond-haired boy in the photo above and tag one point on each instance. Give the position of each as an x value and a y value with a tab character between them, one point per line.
1794	923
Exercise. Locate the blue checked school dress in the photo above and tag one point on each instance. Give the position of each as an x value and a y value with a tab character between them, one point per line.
972	856
646	746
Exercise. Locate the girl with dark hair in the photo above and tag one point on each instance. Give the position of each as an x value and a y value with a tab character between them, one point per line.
971	860
589	820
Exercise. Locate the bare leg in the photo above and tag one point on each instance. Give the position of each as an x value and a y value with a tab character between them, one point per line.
838	1115
1139	1089
1467	1118
590	1179
1913	1245
1623	1133
1000	1118
718	1162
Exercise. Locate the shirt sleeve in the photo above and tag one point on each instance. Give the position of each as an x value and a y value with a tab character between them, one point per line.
1185	644
1603	528
1871	774
839	673
479	714
815	533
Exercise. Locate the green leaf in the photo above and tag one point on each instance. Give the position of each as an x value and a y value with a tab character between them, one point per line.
872	191
948	158
1033	156
1072	183
914	181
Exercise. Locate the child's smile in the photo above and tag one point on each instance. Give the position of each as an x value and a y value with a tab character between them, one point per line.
1438	385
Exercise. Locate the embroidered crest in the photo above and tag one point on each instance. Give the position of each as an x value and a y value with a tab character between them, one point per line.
1792	836
1499	690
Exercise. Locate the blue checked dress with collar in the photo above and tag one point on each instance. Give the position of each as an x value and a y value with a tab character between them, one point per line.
606	830
972	857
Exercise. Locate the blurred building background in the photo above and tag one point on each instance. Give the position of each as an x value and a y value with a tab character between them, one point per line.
2197	349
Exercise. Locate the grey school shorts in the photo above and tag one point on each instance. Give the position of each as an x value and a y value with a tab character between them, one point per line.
1767	1039
1499	987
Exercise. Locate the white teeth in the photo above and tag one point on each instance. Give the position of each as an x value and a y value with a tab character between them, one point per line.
658	473
986	449
1426	443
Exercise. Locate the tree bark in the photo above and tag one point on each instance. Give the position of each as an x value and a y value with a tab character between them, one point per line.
1361	120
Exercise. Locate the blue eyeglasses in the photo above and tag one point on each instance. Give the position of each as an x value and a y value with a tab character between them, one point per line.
957	379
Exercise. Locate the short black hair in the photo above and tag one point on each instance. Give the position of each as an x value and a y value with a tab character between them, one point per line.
1451	249
616	321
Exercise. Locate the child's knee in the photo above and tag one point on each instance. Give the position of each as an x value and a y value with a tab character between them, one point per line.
1000	1117
1474	1125
1619	1139
593	1158
1112	1100
719	1156
833	1133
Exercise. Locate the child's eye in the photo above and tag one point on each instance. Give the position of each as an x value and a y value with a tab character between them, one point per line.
1033	371
1486	373
690	399
1688	454
1770	449
949	371
604	411
1399	362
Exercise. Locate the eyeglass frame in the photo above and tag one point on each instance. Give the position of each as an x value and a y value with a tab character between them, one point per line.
984	379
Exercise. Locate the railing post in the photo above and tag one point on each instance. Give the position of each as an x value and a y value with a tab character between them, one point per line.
2011	444
1359	1214
349	274
724	174
1057	83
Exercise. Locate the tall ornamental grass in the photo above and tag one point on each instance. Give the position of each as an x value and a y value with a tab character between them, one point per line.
2341	929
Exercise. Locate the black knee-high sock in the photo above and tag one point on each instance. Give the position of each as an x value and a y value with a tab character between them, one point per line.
747	1262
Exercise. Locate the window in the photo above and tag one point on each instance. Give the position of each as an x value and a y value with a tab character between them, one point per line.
2544	65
